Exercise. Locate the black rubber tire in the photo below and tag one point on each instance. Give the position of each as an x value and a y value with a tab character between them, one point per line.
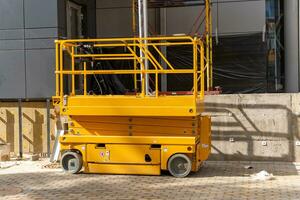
71	162
179	165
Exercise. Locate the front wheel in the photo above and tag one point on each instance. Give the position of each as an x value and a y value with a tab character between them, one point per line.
179	165
71	162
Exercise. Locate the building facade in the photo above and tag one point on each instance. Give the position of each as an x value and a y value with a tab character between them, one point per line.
255	51
249	40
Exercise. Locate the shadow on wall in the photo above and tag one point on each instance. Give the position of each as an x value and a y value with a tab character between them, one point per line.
255	129
9	123
34	126
37	130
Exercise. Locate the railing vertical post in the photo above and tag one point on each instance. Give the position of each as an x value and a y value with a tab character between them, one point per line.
156	84
73	71
202	63
84	80
61	68
143	84
135	68
195	67
56	68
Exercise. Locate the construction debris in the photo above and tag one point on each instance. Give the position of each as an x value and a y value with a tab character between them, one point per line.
6	165
262	176
4	152
54	165
248	167
34	157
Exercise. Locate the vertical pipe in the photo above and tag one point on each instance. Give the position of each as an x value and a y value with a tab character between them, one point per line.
145	23
20	128
48	128
163	31
133	18
140	13
134	41
207	30
210	47
277	65
291	41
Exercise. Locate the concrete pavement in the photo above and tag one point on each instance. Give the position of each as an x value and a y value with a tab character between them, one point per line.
216	180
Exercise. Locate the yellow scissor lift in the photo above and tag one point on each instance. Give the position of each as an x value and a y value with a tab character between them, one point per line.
138	132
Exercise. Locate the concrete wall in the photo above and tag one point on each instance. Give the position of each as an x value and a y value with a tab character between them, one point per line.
292	42
250	120
240	124
34	116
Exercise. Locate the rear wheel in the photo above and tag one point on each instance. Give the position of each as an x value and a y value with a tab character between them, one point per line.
71	162
179	165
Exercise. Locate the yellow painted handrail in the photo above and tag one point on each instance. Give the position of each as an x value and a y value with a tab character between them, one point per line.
70	50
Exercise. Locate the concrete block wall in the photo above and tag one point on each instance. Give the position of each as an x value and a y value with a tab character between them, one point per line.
242	123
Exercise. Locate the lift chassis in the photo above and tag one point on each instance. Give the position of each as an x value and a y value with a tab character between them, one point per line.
140	154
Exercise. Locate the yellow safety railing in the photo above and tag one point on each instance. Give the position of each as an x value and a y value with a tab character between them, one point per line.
132	47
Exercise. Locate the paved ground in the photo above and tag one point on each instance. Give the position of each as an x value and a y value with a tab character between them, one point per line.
216	180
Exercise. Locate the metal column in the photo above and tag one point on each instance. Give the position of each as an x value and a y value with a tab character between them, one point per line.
20	128
163	31
143	33
291	40
48	128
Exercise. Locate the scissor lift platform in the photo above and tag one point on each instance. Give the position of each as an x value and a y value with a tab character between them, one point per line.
133	106
137	132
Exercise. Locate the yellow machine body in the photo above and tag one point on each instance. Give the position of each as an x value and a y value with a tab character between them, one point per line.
143	131
120	145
